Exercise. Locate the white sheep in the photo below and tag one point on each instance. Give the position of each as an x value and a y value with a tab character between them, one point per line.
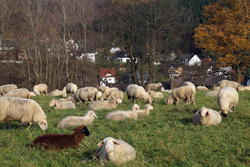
145	111
40	88
156	94
241	88
32	94
212	93
23	110
153	86
103	88
226	83
115	151
202	88
69	88
56	92
5	88
73	121
101	105
122	115
62	104
190	84
116	95
108	91
227	98
86	94
206	116
183	92
138	92
22	93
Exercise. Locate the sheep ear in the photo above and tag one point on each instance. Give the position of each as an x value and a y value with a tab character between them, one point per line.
115	142
100	143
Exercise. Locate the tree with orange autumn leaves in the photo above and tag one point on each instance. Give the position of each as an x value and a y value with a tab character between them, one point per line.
226	34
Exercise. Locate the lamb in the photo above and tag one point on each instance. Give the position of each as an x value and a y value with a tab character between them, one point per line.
190	84
108	91
23	110
22	93
138	92
226	83
62	104
61	141
116	95
202	88
86	94
206	116
156	94
183	92
115	151
103	88
6	88
40	88
153	86
122	115
145	111
71	121
69	88
227	98
101	105
56	92
212	93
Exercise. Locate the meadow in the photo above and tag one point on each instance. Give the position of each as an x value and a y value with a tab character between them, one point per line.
166	137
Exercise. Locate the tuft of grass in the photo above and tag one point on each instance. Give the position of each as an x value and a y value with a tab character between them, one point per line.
166	137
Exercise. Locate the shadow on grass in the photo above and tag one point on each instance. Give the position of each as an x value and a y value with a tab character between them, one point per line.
186	120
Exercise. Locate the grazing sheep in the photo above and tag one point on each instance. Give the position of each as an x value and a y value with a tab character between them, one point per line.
138	92
23	110
153	86
32	94
241	88
86	94
71	121
202	88
122	115
62	104
115	151
103	88
116	95
101	105
108	91
69	88
56	93
145	111
22	93
226	83
227	98
212	93
183	92
190	84
60	141
156	94
6	88
206	116
40	88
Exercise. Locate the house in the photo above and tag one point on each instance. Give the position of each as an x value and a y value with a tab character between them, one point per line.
195	60
175	73
71	45
90	56
107	76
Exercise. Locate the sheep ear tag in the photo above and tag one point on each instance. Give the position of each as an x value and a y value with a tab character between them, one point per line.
83	130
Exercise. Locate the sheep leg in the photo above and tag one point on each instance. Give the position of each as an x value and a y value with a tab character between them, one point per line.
234	109
177	101
188	100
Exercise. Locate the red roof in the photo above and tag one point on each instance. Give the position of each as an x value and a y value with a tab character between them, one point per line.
107	72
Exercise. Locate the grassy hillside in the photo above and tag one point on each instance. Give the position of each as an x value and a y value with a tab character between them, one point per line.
166	138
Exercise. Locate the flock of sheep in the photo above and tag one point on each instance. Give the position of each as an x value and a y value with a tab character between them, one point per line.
16	105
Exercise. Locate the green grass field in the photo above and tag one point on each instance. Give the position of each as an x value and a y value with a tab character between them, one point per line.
166	138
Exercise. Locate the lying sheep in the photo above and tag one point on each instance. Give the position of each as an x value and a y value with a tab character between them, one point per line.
60	141
116	95
138	92
190	84
6	88
183	92
206	116
69	88
103	88
23	110
101	105
72	121
115	151
56	92
40	88
122	115
226	83
62	104
241	88
202	88
212	93
227	98
145	111
86	94
22	93
153	86
156	94
108	91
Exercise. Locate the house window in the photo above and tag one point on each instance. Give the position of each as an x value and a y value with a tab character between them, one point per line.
108	74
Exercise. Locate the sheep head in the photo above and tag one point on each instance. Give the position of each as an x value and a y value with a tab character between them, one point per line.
170	100
203	112
108	144
52	102
43	124
148	106
135	107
